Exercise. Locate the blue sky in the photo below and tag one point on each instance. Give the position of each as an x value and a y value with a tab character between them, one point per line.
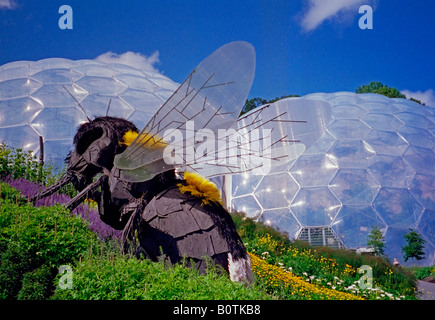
302	46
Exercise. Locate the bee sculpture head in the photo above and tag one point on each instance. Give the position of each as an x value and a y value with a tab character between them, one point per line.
96	143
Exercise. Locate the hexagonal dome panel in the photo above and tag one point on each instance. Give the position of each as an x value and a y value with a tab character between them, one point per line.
352	153
276	191
354	186
417	137
421	159
324	167
57	123
20	111
415	120
397	207
422	188
391	171
282	220
348	129
245	183
18	88
348	111
102	85
380	121
386	142
50	76
315	206
248	205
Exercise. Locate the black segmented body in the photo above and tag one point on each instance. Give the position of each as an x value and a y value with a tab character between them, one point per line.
155	216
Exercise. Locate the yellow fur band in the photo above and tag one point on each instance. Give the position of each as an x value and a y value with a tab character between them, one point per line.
200	187
145	139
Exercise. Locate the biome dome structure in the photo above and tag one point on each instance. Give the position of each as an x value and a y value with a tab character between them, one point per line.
36	100
375	164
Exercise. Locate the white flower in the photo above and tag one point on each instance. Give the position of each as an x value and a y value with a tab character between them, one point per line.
305	274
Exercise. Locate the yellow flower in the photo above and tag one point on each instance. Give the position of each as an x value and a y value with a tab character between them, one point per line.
277	277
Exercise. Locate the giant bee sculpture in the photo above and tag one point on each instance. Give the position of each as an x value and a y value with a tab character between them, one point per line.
136	177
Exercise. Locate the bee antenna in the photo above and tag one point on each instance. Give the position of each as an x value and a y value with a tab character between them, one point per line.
108	107
89	120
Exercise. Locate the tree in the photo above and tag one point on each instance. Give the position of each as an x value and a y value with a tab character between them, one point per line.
379	88
414	247
252	104
256	102
418	101
376	240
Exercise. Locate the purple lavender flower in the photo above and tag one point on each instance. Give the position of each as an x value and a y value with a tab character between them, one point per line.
30	189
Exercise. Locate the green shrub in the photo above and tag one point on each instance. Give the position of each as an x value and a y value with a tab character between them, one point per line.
421	272
127	278
34	242
11	195
37	284
19	164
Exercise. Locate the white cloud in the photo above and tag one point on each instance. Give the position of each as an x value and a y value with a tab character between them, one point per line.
133	59
427	97
8	4
321	10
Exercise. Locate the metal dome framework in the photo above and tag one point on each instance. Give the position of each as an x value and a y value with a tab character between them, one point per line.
38	100
375	164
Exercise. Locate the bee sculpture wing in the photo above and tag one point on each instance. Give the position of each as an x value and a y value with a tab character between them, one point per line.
210	98
197	128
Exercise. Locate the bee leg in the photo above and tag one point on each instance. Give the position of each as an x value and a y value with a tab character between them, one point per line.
52	189
74	202
114	211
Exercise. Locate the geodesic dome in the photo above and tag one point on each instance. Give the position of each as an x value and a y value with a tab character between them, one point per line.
36	100
375	164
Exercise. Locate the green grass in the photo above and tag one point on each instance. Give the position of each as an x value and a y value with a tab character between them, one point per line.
127	278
